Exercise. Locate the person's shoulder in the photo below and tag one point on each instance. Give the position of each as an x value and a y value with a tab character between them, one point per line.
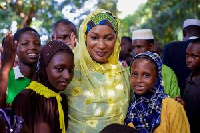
25	94
27	91
194	81
167	69
24	97
175	43
171	104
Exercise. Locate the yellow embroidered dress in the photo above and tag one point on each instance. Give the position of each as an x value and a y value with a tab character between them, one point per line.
98	94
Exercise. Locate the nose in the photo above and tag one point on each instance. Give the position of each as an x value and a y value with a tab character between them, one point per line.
32	46
101	44
66	74
139	79
188	59
136	51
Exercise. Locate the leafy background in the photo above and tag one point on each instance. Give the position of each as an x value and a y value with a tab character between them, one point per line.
164	17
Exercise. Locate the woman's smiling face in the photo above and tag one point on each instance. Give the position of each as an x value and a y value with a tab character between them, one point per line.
100	43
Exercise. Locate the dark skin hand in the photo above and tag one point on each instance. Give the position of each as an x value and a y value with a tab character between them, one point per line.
180	100
8	58
73	40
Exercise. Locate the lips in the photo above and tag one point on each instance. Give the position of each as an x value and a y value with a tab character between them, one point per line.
32	55
64	83
189	65
138	88
101	54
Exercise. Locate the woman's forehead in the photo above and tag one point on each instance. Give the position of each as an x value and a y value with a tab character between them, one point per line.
102	29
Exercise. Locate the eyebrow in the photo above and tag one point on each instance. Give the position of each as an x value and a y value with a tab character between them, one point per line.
65	35
26	40
106	34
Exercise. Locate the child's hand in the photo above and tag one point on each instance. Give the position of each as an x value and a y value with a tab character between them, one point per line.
178	99
9	53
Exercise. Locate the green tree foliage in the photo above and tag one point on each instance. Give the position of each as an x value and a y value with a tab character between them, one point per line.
164	17
110	5
43	13
23	11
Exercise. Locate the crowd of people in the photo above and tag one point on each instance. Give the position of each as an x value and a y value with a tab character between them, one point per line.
99	82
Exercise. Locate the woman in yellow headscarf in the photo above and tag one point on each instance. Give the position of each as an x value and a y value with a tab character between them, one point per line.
99	92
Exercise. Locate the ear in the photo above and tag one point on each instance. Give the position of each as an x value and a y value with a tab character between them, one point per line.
151	46
184	33
52	37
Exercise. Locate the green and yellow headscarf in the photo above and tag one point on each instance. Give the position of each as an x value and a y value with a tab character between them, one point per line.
97	18
103	19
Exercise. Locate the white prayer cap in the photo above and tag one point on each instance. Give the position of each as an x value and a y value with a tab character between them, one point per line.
189	22
142	34
193	37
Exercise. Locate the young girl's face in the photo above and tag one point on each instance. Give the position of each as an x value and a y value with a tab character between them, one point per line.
60	70
29	47
143	76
